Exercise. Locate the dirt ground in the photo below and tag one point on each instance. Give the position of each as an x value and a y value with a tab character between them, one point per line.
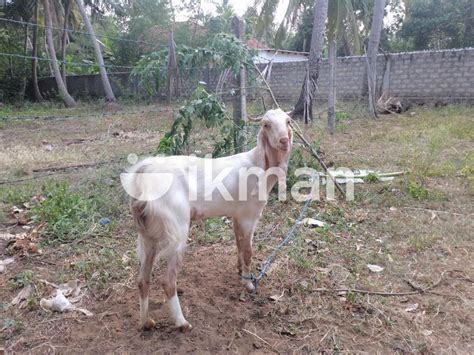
319	295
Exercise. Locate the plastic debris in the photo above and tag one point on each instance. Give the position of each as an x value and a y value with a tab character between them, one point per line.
358	176
58	303
375	268
104	221
411	307
64	297
311	222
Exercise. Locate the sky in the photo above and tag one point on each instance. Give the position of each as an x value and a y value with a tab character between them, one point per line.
241	5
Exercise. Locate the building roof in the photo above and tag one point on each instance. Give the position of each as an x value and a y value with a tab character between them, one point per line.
284	51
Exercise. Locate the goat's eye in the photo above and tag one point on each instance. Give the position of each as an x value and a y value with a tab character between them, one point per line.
266	125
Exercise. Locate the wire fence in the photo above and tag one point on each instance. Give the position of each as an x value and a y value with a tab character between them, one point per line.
68	30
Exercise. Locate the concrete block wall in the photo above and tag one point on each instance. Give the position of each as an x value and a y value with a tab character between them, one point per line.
425	76
446	76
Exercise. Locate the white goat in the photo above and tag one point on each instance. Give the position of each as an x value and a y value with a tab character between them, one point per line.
176	190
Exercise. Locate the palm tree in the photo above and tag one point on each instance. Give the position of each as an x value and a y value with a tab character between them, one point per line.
98	53
266	18
342	25
34	53
304	105
68	100
64	36
372	50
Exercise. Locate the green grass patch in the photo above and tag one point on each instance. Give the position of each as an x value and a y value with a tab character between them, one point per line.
70	214
21	280
421	243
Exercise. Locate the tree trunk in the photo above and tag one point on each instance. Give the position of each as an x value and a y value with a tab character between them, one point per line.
34	63
304	105
25	53
240	102
173	70
372	50
68	100
469	31
332	87
98	53
64	37
346	45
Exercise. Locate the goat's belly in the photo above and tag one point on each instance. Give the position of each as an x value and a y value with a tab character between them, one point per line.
206	209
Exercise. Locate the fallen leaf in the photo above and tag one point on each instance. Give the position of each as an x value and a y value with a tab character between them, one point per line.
276	298
304	284
411	307
23	295
125	259
4	263
375	268
7	236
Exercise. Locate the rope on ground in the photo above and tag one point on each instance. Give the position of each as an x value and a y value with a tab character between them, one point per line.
289	236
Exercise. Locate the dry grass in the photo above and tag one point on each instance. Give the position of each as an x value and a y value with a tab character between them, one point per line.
418	227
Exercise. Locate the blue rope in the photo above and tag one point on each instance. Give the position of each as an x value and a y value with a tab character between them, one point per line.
289	236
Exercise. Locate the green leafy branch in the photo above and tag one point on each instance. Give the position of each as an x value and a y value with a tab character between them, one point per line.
209	110
223	51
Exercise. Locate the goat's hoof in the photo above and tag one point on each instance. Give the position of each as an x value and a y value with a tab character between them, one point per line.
149	324
185	328
249	286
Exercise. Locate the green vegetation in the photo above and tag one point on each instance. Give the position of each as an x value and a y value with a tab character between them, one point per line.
68	214
210	111
21	280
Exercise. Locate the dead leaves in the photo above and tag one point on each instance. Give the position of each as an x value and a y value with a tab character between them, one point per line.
26	243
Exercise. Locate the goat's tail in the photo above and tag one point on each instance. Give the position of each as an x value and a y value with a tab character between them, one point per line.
160	227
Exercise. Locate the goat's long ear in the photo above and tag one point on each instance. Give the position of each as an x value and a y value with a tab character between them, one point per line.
268	157
290	135
262	143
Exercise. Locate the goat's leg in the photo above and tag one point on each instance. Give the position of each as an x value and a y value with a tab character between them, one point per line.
243	229
147	253
170	288
169	282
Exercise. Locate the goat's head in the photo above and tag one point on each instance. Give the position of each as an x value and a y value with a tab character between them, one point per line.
275	127
275	139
